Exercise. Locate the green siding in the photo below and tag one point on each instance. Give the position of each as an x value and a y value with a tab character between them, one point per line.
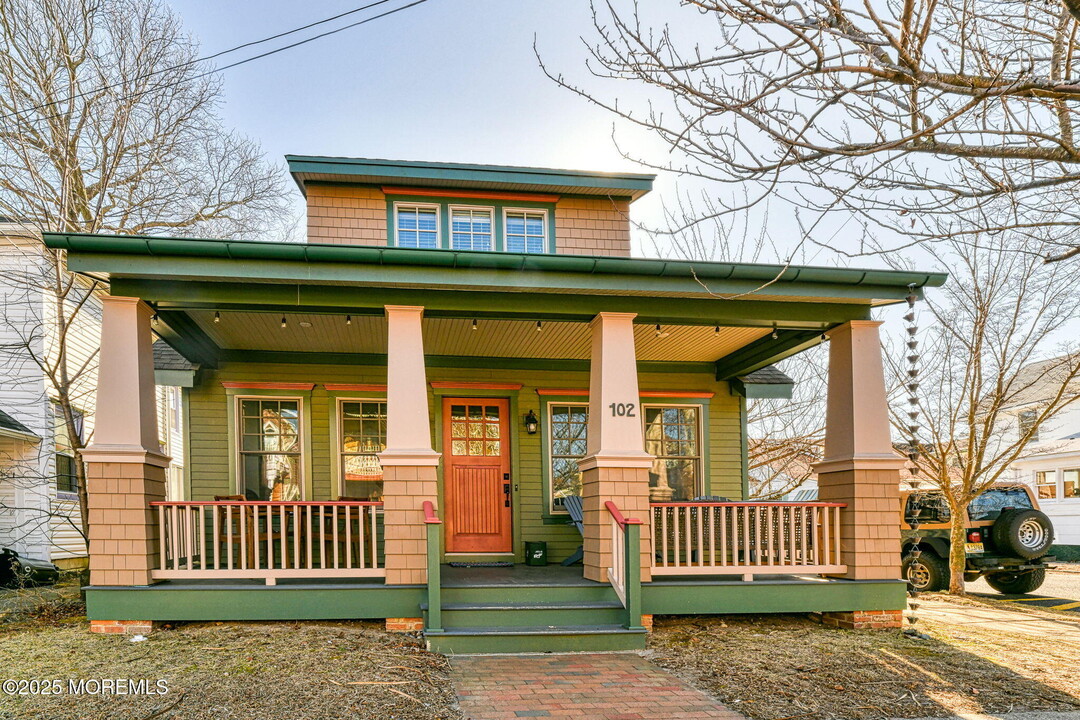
208	452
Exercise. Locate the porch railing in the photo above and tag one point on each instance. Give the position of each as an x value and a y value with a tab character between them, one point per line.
625	571
269	540
746	538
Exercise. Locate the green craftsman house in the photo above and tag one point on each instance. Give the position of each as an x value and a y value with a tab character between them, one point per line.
462	406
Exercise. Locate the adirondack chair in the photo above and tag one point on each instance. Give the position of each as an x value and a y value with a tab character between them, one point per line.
572	503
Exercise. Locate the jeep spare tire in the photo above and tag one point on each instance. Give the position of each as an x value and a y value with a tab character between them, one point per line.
1016	583
1027	533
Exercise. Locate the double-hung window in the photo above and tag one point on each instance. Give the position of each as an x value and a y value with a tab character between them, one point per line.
362	430
1026	423
67	479
471	228
270	448
525	231
417	226
568	425
1046	484
672	437
1071	486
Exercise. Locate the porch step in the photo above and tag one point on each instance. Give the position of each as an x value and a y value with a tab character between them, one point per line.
519	639
528	594
530	614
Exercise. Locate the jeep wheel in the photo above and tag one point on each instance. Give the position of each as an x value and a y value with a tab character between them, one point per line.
1027	533
1018	583
926	573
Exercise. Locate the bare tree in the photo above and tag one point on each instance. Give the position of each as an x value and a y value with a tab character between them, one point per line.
986	354
108	123
924	119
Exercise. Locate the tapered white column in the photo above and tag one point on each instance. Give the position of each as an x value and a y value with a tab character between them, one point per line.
409	463
615	466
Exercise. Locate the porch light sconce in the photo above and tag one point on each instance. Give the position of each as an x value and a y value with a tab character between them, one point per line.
532	424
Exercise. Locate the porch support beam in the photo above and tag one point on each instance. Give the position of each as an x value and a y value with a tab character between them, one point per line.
860	467
125	466
615	466
409	463
765	351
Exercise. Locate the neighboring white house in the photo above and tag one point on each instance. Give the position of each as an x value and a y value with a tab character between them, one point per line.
1051	464
39	512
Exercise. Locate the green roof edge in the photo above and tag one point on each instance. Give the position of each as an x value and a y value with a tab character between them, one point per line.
249	250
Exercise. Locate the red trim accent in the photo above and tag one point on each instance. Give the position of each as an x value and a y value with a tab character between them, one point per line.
453	385
430	517
748	504
268	385
355	387
618	516
643	393
260	503
479	194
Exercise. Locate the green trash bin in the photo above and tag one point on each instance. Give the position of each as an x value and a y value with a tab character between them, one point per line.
536	553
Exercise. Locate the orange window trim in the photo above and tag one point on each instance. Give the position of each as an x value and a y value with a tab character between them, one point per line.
476	194
452	385
644	393
268	385
354	387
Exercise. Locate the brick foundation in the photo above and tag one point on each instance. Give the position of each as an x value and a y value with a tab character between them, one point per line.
121	627
862	619
404	624
647	622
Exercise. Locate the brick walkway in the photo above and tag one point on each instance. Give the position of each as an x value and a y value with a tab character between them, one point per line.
605	687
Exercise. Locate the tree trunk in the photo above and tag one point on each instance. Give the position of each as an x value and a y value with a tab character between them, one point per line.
957	553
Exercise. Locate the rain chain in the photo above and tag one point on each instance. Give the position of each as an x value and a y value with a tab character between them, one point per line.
912	427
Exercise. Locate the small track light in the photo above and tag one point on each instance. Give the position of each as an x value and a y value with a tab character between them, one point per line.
775	335
154	319
348	319
217	316
539	326
716	330
474	325
284	322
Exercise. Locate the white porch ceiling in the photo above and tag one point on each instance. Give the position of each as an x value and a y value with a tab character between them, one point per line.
454	336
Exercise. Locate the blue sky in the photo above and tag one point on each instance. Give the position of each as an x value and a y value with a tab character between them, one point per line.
449	80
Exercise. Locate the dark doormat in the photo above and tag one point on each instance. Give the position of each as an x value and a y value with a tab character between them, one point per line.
481	564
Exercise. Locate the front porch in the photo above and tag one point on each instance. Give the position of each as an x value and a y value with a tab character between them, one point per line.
342	450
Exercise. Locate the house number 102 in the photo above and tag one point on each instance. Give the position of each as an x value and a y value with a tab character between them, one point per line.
622	410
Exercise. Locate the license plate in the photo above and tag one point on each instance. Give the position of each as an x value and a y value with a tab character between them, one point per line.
973	548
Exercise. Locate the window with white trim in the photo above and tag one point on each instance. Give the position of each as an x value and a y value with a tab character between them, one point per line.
361	436
1046	484
525	231
417	226
1026	423
471	228
672	437
1071	485
270	448
67	479
568	425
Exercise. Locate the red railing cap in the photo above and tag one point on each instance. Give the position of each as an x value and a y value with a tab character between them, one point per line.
618	516
430	516
747	504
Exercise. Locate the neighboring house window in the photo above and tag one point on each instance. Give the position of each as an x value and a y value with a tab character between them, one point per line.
175	403
1071	488
672	438
362	434
270	448
67	479
470	228
417	226
525	232
1027	423
568	426
1046	485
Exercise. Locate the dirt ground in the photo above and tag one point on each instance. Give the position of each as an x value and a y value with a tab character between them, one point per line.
788	667
263	671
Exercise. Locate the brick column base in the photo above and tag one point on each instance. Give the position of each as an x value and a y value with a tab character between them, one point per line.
862	619
403	625
405	488
628	488
121	627
647	622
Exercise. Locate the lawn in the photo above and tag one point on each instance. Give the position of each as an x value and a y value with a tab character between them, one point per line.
788	667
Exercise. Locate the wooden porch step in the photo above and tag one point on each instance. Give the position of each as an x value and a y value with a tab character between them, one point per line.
537	614
529	594
519	639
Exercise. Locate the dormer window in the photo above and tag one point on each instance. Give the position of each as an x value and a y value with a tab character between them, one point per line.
417	226
526	231
471	228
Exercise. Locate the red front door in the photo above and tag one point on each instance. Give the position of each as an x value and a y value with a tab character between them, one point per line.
476	480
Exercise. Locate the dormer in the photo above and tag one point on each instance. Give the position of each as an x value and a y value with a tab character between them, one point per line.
462	207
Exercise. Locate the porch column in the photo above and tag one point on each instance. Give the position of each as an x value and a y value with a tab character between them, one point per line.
409	463
860	467
125	466
615	466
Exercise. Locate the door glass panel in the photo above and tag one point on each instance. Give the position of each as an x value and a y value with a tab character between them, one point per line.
459	447
457	412
476	447
493	413
492	448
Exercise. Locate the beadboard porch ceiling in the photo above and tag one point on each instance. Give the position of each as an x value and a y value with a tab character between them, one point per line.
366	334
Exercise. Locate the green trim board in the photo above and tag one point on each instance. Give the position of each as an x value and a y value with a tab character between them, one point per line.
175	378
766	351
782	391
696	597
179	258
376	171
498	209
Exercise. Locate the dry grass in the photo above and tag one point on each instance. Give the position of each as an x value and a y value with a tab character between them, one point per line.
787	667
267	671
